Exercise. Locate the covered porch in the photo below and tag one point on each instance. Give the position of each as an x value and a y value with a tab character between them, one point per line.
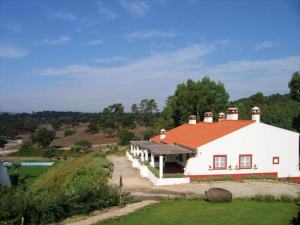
164	160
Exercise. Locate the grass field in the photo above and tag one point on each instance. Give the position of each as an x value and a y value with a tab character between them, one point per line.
31	173
195	212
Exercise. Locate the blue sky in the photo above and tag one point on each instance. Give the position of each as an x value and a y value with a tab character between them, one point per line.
84	55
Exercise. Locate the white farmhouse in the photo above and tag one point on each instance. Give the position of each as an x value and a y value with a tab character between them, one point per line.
229	147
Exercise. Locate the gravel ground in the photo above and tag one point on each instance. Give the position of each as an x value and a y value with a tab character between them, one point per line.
143	188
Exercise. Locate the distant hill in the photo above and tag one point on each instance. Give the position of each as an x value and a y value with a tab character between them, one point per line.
277	110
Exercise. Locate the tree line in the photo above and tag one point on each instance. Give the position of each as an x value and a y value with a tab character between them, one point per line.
190	98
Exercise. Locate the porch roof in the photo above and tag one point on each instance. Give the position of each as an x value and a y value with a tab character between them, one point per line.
161	149
144	144
168	149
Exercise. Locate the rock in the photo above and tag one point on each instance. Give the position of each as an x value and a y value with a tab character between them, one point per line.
218	195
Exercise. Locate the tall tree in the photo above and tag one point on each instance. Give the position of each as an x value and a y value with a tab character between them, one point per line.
196	98
147	109
111	118
43	137
294	86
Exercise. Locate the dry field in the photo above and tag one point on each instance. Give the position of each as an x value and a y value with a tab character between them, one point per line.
95	139
66	142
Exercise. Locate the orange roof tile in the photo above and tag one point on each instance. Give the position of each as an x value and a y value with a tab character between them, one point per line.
193	136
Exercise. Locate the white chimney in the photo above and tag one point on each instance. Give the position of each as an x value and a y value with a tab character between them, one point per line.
221	116
255	111
192	120
162	134
208	117
232	113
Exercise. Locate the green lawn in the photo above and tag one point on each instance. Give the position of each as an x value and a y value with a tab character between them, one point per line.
30	173
199	212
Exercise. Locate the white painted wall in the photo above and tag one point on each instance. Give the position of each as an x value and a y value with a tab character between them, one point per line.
262	141
164	181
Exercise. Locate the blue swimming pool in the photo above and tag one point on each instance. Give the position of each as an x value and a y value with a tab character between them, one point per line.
30	163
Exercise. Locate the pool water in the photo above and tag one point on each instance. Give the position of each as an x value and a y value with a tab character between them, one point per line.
30	163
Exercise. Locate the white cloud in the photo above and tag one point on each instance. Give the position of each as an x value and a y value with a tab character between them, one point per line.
135	7
10	52
63	16
264	45
150	34
114	59
58	41
90	87
108	13
94	42
181	60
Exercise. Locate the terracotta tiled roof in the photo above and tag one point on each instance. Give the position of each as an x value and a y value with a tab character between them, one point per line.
193	136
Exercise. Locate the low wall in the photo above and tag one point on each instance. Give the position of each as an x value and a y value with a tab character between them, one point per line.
129	156
164	181
145	172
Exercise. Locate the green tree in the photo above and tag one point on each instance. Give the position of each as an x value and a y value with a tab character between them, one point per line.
195	98
150	133
135	113
56	124
93	127
3	142
296	123
125	136
83	146
43	137
49	153
294	86
147	109
111	118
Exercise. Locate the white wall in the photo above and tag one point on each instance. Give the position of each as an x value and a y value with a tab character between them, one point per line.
262	141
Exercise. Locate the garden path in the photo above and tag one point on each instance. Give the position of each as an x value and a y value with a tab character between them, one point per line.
114	212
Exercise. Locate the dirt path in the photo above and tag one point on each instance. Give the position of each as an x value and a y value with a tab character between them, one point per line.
143	188
114	213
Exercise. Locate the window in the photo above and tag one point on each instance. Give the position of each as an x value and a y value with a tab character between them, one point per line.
245	162
276	160
220	162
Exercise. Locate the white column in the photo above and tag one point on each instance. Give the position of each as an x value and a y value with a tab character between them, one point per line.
142	156
152	160
146	155
161	166
131	149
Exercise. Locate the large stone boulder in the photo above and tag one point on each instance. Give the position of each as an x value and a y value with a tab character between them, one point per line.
218	195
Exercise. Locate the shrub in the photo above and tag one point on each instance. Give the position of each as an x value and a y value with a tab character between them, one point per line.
93	127
69	132
72	187
81	146
259	177
223	178
286	198
125	136
27	149
264	198
13	205
49	153
116	150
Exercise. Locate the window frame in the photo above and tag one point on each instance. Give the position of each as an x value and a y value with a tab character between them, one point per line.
274	158
245	155
214	161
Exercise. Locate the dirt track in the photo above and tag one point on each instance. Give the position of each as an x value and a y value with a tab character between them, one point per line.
142	187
